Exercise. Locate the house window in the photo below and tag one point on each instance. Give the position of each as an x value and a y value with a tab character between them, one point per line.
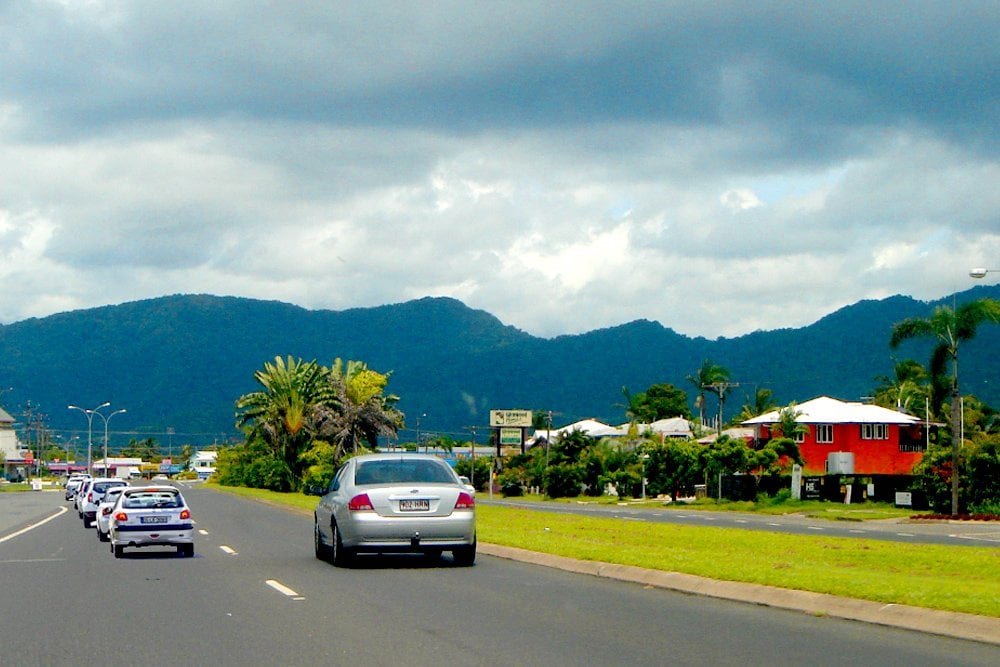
874	432
824	433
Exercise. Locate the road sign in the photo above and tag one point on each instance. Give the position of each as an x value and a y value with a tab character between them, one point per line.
521	418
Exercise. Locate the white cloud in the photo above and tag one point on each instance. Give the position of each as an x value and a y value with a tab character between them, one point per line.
695	164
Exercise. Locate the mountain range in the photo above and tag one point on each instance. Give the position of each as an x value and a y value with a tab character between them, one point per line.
178	363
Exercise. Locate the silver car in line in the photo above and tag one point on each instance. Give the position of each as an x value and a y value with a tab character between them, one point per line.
397	502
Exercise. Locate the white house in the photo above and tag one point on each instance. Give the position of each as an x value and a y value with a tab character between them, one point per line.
203	462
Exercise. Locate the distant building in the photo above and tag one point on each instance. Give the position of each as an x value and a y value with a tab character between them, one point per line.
851	438
203	462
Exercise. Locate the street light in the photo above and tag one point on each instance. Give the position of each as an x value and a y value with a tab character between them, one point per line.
106	420
980	272
90	428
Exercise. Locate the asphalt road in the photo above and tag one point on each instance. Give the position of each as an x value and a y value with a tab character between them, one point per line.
255	595
961	533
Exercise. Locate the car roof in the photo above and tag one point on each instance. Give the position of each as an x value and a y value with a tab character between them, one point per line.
133	490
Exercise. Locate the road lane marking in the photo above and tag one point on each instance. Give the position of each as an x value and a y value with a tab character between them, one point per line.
814	527
202	531
284	590
228	550
62	510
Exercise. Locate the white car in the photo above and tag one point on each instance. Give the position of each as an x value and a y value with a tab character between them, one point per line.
147	516
91	496
73	484
103	518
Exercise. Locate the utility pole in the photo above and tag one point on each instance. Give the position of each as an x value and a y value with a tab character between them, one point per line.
720	388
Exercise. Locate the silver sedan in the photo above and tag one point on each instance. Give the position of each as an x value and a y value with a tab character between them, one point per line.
404	502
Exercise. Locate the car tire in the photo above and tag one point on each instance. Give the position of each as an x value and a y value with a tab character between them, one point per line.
185	550
118	550
465	556
103	537
341	555
322	551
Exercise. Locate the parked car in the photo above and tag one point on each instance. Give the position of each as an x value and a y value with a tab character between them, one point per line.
90	497
147	516
104	509
383	503
73	484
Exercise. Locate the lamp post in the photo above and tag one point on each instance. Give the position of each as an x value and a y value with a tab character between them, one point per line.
90	429
980	272
106	420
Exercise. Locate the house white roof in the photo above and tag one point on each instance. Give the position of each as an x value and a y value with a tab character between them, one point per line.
591	427
826	410
675	426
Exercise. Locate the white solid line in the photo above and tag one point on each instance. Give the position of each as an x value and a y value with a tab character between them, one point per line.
62	510
228	550
281	588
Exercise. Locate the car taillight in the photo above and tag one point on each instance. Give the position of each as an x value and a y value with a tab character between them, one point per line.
90	497
185	514
360	502
121	516
465	502
106	511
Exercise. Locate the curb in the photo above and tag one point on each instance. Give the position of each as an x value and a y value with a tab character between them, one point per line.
985	629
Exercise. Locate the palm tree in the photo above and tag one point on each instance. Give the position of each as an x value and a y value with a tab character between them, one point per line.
710	377
950	327
906	391
277	413
361	411
763	401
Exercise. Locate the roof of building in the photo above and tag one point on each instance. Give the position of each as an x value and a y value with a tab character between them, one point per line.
826	410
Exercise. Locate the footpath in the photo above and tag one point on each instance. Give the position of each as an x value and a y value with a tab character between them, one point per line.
950	624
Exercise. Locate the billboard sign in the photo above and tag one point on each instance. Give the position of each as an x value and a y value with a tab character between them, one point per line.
520	418
511	436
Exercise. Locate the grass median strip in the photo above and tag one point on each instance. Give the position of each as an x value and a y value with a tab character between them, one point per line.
952	578
965	579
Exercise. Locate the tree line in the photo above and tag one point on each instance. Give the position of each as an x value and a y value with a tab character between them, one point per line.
306	418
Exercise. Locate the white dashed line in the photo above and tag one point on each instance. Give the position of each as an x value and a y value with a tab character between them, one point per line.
284	590
228	550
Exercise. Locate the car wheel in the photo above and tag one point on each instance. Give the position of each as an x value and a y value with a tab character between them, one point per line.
341	555
118	550
322	551
465	556
103	537
185	550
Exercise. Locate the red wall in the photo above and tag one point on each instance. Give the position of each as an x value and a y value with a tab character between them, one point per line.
871	457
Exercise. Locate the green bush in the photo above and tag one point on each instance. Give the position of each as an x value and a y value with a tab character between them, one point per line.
564	480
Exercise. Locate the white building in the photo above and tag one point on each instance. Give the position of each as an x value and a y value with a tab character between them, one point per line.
203	463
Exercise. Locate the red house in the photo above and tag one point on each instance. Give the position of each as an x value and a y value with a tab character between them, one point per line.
851	438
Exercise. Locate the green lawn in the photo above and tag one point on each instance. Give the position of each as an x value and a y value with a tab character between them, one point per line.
965	579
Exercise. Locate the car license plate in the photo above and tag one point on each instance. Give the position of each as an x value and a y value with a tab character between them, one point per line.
153	519
414	505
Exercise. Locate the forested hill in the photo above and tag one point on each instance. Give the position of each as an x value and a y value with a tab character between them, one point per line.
180	362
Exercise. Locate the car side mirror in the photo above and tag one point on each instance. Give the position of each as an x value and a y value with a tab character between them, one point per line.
315	490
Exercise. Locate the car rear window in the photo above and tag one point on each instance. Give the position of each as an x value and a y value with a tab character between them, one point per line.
151	501
401	471
102	487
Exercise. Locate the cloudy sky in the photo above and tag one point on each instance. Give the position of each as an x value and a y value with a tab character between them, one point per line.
720	167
